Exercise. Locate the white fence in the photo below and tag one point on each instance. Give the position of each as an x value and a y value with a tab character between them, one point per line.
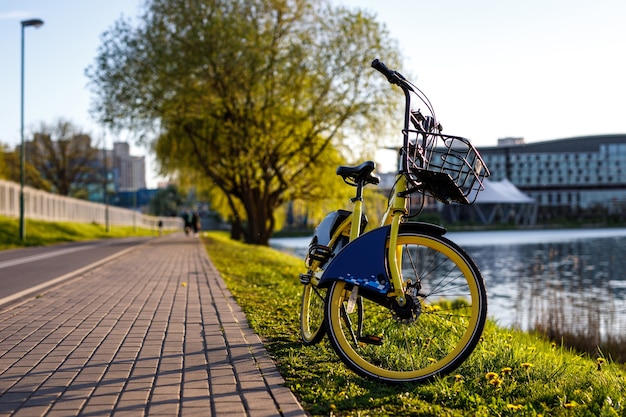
40	205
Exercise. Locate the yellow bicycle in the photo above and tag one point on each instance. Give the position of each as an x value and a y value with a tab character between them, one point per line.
401	302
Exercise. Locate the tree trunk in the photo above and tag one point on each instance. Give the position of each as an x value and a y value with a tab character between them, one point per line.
260	223
236	229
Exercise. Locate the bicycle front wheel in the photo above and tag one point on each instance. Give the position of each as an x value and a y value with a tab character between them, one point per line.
433	336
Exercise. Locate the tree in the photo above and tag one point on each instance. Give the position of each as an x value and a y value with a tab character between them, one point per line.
64	157
4	150
167	202
12	171
260	96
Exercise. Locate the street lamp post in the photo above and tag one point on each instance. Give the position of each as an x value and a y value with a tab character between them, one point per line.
25	23
106	185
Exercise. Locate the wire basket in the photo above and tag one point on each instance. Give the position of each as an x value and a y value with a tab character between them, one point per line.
448	168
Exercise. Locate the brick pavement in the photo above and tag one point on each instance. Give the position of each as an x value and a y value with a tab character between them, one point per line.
153	332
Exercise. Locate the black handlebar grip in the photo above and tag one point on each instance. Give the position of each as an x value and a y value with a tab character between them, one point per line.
392	76
382	68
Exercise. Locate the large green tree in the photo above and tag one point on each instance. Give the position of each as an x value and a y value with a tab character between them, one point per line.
259	96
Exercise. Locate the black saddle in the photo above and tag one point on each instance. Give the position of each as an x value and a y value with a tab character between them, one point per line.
353	175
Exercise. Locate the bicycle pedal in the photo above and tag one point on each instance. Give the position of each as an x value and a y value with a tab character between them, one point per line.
305	278
320	253
371	340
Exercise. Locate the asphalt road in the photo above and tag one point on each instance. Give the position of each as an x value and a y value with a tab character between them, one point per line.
25	272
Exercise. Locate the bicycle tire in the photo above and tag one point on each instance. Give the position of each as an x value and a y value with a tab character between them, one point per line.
312	314
313	305
450	314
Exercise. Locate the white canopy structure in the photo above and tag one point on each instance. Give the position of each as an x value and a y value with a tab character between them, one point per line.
500	202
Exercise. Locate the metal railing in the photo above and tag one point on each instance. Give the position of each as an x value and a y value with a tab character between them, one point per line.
40	205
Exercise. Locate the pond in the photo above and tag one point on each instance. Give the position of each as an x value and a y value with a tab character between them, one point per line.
574	278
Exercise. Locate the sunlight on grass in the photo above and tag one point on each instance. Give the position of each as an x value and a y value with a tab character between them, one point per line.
511	373
40	233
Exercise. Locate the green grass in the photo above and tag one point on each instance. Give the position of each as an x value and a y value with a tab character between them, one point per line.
41	233
510	373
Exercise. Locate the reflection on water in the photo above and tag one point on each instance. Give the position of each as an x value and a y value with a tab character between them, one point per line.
579	284
574	278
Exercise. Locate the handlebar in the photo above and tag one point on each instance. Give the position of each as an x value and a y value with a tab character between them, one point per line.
424	123
446	167
394	77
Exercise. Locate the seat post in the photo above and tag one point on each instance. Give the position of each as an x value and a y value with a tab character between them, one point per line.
357	213
359	191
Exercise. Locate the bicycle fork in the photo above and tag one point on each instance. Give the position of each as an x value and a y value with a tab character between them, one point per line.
393	216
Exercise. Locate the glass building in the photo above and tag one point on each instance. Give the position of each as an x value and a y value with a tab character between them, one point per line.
569	176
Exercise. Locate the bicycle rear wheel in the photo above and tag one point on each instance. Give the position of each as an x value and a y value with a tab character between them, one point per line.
433	337
312	319
313	305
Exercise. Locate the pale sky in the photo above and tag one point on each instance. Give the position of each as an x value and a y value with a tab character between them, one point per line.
538	69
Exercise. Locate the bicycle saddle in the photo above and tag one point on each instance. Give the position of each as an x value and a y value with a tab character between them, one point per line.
360	173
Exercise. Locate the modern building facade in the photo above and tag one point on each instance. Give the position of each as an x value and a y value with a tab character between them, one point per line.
573	176
130	170
125	176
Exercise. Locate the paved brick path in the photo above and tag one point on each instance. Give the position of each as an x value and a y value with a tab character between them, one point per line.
154	332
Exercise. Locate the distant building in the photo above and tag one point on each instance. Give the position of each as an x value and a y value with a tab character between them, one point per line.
499	202
569	176
126	178
510	141
130	170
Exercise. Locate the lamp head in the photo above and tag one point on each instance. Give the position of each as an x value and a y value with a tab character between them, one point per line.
32	22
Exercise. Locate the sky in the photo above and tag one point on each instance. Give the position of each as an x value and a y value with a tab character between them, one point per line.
537	69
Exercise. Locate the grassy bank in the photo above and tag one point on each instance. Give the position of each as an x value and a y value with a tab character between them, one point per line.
40	233
510	373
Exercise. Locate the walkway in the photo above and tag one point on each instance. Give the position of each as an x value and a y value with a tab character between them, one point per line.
153	332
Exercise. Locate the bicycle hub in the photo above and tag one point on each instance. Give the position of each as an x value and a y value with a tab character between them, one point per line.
407	313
